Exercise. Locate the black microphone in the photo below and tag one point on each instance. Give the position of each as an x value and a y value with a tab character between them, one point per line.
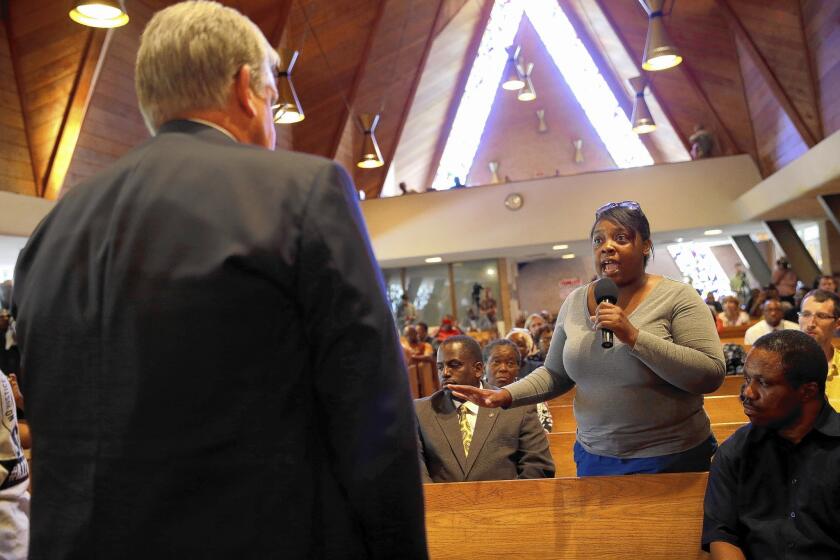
606	290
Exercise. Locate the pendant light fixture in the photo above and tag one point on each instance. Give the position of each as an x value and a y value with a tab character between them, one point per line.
513	81
660	52
98	13
641	119
371	156
287	110
527	93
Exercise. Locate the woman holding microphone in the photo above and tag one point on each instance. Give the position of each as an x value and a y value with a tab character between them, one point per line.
639	404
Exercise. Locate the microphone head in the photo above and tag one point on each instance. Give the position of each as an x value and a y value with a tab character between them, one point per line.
606	290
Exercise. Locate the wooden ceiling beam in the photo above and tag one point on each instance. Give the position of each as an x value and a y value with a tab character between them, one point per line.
812	74
19	86
651	85
469	59
767	74
688	74
427	47
609	73
346	113
71	124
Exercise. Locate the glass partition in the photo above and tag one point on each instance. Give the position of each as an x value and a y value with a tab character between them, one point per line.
477	294
428	291
430	294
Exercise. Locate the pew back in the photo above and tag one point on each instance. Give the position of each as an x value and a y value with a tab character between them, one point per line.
642	516
561	445
719	409
731	386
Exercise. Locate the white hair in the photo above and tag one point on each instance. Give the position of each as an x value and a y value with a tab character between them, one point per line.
531	318
188	57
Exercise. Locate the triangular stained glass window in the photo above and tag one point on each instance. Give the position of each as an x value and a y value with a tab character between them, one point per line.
571	59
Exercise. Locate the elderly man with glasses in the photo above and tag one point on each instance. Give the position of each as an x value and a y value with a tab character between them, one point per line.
820	318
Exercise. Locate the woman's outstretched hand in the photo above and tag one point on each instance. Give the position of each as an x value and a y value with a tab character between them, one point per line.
490	398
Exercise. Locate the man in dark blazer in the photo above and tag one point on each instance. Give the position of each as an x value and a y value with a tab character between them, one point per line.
460	442
210	366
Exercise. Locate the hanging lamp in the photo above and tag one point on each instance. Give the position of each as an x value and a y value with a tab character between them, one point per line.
287	110
513	81
371	157
660	52
641	119
527	93
98	13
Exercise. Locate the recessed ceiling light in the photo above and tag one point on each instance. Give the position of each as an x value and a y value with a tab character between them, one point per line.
713	232
434	260
491	272
560	247
568	256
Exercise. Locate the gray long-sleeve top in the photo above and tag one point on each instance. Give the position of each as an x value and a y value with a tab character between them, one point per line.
641	402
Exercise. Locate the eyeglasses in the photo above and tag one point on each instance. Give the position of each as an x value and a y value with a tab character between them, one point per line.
629	204
819	315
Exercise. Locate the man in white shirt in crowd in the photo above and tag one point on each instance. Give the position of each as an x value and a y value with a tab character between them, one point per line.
773	321
820	318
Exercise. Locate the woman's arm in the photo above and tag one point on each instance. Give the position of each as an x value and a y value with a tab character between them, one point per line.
694	361
542	384
550	379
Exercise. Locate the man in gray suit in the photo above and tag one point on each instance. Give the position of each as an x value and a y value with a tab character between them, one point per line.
460	442
210	366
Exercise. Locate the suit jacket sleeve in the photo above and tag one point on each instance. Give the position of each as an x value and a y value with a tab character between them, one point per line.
535	458
358	375
421	454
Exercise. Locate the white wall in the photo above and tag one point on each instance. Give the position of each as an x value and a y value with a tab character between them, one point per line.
20	214
471	223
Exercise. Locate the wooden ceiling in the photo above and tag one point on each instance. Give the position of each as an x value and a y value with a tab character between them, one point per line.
762	75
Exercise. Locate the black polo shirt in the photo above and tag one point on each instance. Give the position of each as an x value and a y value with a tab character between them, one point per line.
774	499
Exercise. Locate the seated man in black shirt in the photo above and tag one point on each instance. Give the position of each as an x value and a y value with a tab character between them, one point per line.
774	486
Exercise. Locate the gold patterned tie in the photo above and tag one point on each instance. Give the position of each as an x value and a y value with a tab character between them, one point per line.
464	424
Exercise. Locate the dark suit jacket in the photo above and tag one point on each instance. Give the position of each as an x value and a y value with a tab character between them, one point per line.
209	364
506	444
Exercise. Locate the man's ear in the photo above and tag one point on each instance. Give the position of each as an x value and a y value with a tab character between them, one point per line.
243	92
809	391
478	369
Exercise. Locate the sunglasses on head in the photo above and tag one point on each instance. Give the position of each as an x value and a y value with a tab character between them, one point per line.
629	204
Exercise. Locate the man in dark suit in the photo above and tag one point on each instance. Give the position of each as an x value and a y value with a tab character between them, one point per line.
461	442
210	366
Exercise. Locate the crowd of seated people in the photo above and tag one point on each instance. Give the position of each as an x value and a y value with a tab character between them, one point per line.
498	444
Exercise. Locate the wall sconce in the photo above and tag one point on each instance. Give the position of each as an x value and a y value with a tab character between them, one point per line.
578	144
513	81
99	13
287	110
494	172
641	119
371	156
527	93
660	52
543	126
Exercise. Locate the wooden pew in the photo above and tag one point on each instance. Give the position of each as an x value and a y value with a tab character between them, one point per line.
720	410
422	379
655	517
731	386
561	445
